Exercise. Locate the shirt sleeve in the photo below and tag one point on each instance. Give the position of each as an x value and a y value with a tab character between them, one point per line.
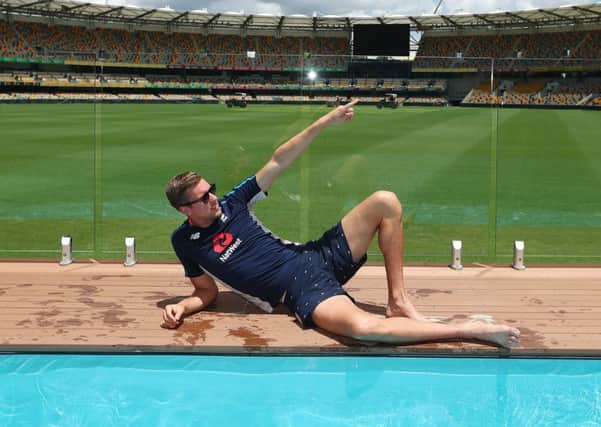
191	268
247	192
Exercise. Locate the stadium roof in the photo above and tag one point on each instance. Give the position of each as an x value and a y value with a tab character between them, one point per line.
71	11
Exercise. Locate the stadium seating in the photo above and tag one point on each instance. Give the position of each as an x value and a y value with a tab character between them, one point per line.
510	51
548	92
59	42
277	60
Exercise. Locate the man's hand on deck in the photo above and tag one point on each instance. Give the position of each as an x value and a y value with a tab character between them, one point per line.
172	315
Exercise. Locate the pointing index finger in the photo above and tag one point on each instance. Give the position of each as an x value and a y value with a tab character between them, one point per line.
353	102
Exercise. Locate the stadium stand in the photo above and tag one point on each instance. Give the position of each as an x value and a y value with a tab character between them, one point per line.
511	51
48	60
547	92
58	42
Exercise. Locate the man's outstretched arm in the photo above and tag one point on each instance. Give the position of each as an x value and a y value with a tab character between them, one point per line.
286	153
205	292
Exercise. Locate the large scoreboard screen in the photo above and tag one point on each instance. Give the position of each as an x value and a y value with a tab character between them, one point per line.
381	39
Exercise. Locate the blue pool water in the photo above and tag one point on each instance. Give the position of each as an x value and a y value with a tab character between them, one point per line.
158	390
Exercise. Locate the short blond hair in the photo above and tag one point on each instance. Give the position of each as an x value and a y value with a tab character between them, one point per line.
177	188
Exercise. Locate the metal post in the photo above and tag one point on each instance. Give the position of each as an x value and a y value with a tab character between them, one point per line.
456	255
130	252
66	250
518	255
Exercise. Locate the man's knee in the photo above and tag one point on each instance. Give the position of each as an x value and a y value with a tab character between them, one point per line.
388	201
364	327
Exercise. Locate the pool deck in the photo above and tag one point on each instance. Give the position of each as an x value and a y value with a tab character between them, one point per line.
103	307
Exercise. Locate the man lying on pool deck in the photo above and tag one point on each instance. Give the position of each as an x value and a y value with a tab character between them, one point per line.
222	240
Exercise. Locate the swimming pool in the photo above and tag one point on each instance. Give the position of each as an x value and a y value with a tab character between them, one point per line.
181	390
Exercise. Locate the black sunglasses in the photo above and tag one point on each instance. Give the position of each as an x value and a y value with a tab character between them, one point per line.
204	198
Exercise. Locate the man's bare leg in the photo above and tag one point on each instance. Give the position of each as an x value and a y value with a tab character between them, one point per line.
340	316
382	212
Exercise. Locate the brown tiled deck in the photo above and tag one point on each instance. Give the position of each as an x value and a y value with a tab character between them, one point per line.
91	307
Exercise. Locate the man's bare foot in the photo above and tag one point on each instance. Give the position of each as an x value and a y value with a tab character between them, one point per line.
503	335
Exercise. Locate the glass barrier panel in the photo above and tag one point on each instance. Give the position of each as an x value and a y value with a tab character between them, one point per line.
203	121
548	160
407	139
47	147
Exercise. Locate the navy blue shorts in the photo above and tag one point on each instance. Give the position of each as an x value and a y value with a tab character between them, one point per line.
323	267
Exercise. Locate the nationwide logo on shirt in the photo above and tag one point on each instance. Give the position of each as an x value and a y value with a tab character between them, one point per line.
223	242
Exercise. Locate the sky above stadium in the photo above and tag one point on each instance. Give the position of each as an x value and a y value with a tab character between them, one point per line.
346	7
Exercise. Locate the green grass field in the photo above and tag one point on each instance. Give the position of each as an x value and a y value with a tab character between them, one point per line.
484	176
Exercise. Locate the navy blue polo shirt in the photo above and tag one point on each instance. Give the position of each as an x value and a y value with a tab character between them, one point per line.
237	250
